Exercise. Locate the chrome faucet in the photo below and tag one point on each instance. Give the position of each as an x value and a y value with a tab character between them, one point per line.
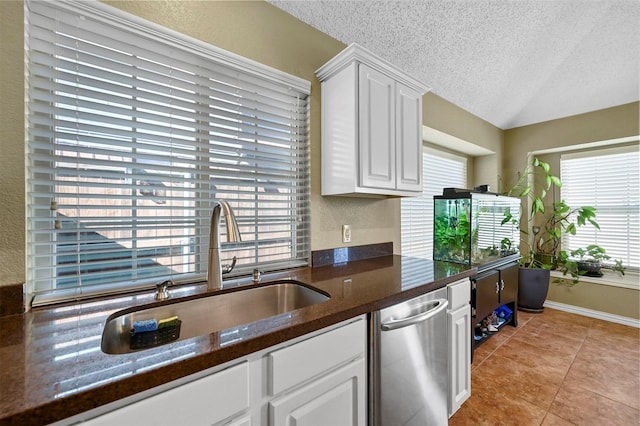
216	269
162	290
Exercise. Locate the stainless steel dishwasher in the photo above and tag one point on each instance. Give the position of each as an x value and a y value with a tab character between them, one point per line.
408	359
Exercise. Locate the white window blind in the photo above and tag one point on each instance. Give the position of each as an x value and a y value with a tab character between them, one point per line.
608	180
133	130
440	170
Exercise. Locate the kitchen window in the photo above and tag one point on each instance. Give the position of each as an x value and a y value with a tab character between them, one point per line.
133	130
609	180
440	170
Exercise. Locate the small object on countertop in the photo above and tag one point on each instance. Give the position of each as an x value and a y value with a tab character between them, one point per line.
168	332
168	322
145	325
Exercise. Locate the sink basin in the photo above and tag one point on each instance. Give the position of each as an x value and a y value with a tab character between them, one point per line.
205	314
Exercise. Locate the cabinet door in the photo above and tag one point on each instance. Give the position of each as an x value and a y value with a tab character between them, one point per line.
487	293
338	398
459	327
377	129
242	421
508	284
408	139
459	294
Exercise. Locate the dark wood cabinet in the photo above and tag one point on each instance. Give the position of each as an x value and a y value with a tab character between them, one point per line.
509	287
491	289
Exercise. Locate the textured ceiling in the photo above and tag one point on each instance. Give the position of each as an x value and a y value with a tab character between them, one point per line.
509	62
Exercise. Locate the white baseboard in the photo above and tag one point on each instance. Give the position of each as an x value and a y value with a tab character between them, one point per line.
632	322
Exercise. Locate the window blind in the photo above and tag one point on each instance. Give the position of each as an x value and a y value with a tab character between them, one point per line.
133	130
440	170
608	180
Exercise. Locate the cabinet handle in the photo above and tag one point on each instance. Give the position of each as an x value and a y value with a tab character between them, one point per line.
497	287
501	285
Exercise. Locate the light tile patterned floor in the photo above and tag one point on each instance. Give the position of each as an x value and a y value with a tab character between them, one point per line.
556	368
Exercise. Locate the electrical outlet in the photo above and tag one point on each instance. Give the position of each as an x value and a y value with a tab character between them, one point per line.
346	233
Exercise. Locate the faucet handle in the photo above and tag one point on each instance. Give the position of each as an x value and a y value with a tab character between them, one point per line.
162	290
228	268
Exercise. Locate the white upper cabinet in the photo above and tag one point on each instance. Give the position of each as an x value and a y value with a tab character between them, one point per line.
371	127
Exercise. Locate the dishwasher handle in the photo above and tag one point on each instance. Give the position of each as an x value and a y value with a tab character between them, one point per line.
438	306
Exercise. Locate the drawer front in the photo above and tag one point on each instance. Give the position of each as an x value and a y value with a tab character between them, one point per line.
459	294
205	401
300	362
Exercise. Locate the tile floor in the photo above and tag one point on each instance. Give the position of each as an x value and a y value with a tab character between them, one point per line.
555	368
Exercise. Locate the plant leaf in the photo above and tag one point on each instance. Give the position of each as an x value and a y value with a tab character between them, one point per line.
537	206
545	166
525	191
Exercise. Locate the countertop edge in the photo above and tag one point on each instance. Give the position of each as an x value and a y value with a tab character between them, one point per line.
86	400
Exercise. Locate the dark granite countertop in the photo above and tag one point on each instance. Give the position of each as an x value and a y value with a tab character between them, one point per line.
52	367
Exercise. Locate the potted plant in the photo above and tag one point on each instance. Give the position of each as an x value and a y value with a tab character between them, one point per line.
542	236
589	261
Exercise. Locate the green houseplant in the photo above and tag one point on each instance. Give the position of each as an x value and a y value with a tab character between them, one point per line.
589	261
541	248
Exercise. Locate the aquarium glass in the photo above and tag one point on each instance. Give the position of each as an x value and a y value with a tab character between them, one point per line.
471	228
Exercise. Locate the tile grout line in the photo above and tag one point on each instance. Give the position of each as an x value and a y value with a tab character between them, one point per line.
546	414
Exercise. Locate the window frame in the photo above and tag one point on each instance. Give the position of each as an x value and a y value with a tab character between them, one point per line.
570	191
423	205
252	71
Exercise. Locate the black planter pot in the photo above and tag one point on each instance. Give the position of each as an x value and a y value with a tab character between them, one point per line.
533	286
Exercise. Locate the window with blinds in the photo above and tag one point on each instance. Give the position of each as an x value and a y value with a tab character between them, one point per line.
133	130
608	180
440	170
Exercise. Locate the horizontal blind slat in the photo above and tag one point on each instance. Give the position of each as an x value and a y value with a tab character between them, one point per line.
608	180
439	171
133	135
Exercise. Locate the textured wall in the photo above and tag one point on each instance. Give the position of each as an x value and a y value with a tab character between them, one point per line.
12	153
612	123
441	115
255	30
266	34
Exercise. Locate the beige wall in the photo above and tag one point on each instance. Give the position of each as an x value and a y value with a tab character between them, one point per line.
12	161
256	30
611	123
448	118
608	124
598	297
259	31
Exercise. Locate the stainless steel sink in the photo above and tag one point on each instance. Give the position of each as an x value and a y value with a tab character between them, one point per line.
205	314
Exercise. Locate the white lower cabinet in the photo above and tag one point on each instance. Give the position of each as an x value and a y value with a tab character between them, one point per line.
334	399
459	341
323	380
316	379
211	400
241	421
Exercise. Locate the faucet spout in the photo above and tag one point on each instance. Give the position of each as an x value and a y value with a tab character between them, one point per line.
215	269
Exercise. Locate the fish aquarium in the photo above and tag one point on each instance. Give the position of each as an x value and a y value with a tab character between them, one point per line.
471	227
